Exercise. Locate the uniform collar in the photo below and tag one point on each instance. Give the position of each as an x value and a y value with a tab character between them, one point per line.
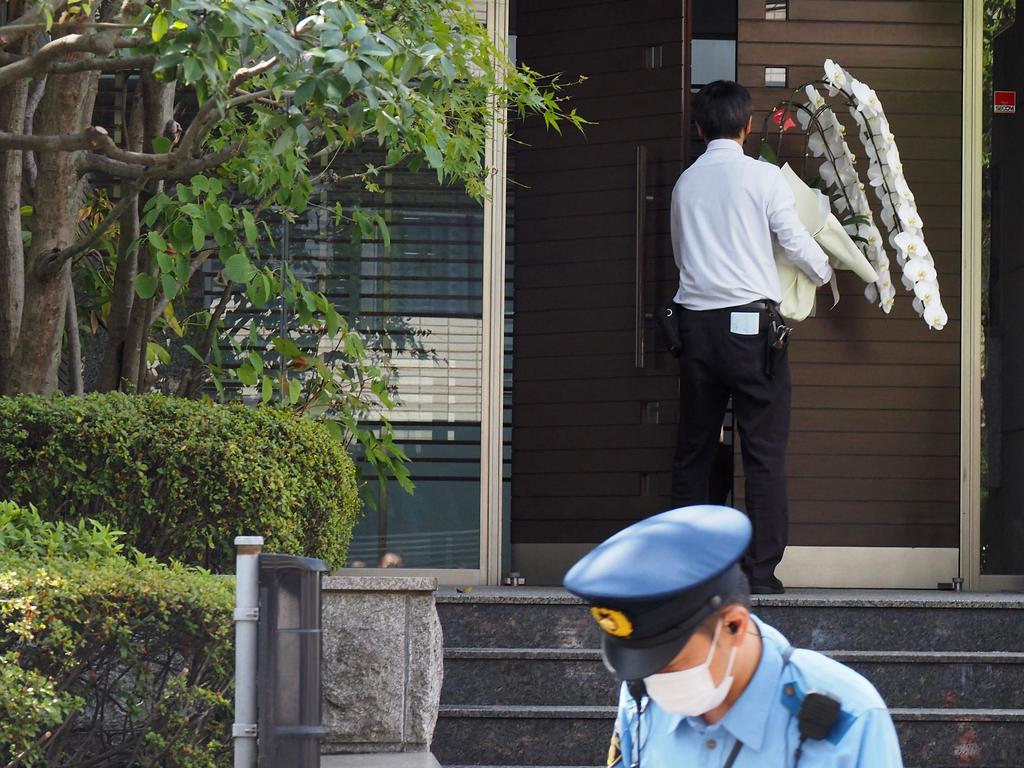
747	720
726	145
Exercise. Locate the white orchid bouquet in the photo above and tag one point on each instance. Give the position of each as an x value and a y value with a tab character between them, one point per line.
826	138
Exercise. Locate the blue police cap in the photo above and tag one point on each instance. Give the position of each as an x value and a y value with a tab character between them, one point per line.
652	584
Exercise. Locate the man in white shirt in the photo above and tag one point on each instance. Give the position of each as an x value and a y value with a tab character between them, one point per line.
725	209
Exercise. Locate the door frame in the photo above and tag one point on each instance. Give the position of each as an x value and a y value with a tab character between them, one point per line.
971	326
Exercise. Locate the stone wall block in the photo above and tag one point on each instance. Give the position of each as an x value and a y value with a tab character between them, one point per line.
383	663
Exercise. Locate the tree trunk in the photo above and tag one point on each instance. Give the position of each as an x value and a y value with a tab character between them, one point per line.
12	255
66	106
159	111
76	385
123	296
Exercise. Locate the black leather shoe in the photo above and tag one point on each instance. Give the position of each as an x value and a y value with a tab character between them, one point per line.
770	587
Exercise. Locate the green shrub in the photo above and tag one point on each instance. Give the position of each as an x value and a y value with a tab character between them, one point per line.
181	478
107	660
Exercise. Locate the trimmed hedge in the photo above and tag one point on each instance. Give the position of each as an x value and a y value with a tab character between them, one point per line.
181	477
106	660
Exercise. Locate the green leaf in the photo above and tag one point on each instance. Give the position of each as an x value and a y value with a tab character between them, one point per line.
198	236
247	375
335	429
267	392
161	145
286	347
251	234
192	351
294	391
238	269
284	141
145	285
768	153
157	241
170	286
160	26
433	155
303	92
353	72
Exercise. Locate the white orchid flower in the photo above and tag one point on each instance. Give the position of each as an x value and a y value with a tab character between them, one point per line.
908	215
887	304
936	316
917	270
835	77
876	175
827	172
911	245
918	306
867	99
888	217
870	233
892	159
816	144
814	98
900	187
871	292
927	291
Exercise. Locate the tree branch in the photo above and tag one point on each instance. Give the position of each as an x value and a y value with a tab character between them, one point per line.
29	21
54	261
200	123
41	62
191	376
101	64
74	343
123	170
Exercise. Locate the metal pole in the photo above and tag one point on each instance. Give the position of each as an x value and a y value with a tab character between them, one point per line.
247	613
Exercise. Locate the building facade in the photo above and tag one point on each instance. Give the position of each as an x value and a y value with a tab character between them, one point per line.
537	406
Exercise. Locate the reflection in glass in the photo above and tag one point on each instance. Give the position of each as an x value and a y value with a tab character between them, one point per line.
1002	467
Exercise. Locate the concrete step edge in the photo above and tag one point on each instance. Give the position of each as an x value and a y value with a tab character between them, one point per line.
565	712
811	598
892	657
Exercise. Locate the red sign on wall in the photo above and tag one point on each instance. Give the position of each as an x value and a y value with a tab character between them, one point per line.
1004	102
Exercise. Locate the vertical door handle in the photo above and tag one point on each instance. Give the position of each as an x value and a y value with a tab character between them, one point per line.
640	297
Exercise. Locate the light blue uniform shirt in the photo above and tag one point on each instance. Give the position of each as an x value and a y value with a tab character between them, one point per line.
764	718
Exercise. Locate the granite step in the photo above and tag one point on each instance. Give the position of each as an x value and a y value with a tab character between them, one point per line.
525	686
578	736
574	676
854	620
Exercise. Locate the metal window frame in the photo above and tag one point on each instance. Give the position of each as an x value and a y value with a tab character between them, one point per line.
492	411
492	363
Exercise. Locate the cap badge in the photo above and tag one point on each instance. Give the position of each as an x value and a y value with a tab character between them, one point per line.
613	622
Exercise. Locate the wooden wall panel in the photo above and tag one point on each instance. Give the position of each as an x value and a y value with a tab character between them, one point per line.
874	456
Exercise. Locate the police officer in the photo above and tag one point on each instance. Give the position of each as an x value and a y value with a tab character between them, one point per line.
707	683
725	210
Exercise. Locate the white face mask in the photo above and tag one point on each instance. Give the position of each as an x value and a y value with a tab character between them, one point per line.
692	692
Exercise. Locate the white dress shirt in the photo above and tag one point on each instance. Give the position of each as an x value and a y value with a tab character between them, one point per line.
725	209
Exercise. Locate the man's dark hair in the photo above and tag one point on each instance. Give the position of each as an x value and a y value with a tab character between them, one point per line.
722	109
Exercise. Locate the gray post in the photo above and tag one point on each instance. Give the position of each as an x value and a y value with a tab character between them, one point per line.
247	574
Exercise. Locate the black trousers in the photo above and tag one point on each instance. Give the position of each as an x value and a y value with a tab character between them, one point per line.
716	364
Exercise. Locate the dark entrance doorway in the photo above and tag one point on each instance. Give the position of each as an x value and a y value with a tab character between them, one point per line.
595	399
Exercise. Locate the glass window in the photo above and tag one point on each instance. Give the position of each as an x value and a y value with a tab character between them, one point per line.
776	11
712	60
1002	272
775	77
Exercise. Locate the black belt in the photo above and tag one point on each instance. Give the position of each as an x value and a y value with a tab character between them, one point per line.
761	304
